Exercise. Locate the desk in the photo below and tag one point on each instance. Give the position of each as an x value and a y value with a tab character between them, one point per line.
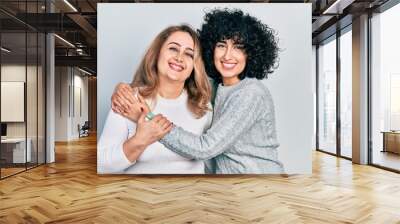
16	147
391	141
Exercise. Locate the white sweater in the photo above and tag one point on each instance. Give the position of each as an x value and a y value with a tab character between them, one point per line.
156	159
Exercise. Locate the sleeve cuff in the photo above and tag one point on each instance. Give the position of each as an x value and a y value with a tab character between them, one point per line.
120	161
168	138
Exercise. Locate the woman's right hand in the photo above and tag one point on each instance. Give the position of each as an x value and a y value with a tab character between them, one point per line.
124	102
123	95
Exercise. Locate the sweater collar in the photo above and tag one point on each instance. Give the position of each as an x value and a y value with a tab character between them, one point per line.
242	82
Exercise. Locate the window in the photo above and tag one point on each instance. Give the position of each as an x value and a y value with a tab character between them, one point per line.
385	89
346	93
327	96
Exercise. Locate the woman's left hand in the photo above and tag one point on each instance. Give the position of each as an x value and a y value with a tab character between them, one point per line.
147	132
151	131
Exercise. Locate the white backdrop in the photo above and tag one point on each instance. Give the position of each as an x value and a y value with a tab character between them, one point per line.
12	101
126	30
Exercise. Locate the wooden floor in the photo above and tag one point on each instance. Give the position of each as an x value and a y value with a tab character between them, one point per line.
387	159
10	171
70	191
5	172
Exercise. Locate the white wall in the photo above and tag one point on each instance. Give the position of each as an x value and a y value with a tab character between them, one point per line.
67	115
12	73
62	81
12	100
33	126
79	117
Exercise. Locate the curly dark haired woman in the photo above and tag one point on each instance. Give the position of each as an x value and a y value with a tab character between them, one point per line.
256	39
238	51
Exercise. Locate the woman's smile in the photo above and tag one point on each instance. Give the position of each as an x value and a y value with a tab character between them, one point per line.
176	67
229	60
228	65
176	58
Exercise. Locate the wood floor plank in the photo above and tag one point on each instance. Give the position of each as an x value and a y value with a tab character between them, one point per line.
70	191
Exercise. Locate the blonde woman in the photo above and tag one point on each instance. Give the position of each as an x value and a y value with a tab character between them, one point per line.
172	80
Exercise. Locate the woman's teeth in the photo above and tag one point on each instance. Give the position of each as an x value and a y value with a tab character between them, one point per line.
175	67
228	65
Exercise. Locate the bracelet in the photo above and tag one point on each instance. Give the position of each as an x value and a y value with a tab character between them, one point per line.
149	116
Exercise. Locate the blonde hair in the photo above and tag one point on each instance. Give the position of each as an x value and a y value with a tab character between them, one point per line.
196	85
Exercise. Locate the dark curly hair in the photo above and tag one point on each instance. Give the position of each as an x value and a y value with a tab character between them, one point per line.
259	41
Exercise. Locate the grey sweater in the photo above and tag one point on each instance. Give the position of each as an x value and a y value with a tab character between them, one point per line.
242	137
